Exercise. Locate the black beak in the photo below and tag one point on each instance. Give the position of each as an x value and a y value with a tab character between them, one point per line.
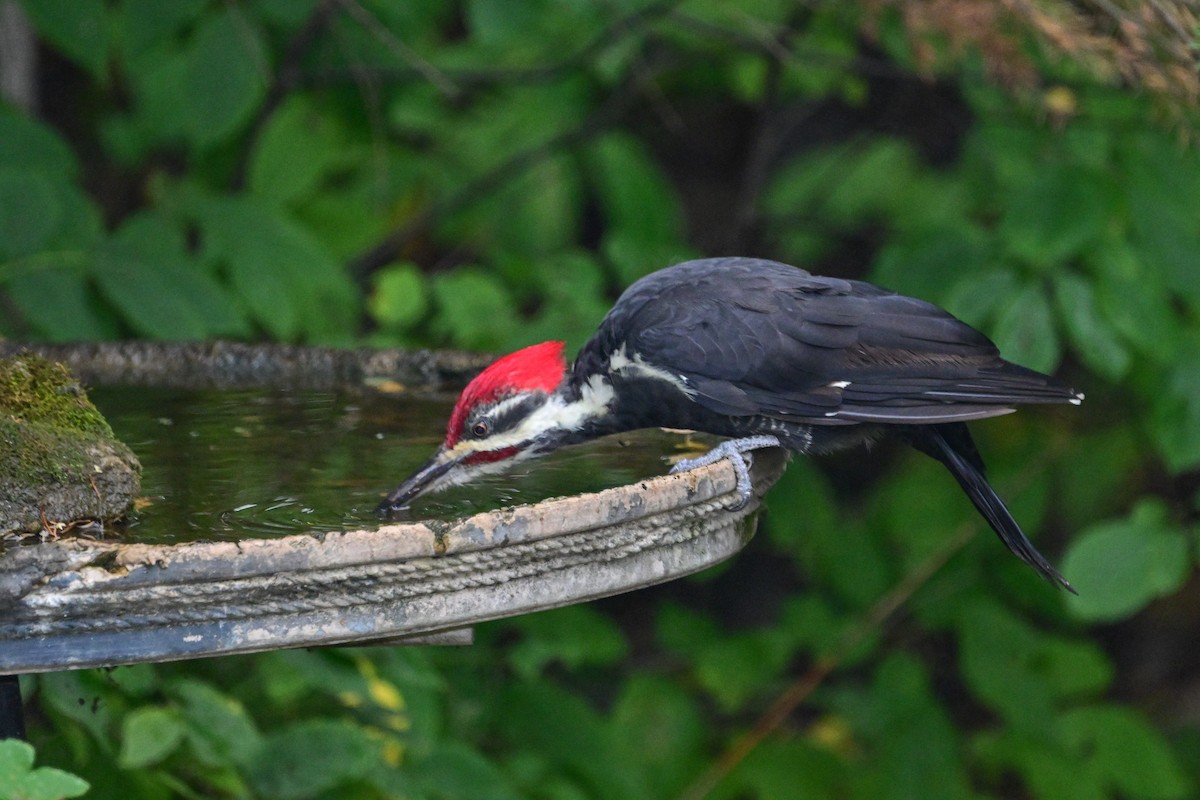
417	483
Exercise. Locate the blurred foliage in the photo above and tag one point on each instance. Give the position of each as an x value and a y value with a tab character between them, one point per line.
19	781
490	173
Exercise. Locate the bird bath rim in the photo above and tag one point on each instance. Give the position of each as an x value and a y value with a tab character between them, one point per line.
76	603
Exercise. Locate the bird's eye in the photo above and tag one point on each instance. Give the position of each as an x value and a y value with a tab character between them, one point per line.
481	429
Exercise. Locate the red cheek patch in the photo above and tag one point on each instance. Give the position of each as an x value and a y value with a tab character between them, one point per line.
487	457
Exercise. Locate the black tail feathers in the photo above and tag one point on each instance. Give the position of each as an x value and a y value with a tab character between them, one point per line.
951	444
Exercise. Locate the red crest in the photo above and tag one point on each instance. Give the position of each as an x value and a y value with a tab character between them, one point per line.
538	368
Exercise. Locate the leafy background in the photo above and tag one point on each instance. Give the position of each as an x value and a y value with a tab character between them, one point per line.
490	173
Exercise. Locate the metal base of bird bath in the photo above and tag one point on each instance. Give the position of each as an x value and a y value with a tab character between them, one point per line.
76	603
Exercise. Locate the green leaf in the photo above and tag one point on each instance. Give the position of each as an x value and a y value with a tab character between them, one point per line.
803	492
738	667
1120	566
573	286
224	76
999	656
136	680
219	730
1056	215
683	631
979	297
146	24
1074	668
497	21
77	315
153	299
833	548
296	148
19	781
516	121
658	731
1090	332
1101	490
456	770
81	697
786	769
30	212
16	760
153	236
399	298
918	508
163	290
291	14
638	201
475	310
872	181
539	211
1133	297
1126	752
801	183
925	265
1176	412
287	279
313	757
148	735
632	257
810	623
1025	331
1048	771
162	111
560	726
77	28
574	636
31	145
1159	186
346	219
847	184
914	746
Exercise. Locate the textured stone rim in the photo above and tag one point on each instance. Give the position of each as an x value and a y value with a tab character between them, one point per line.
77	603
236	365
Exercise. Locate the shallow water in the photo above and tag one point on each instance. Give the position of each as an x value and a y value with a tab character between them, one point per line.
232	465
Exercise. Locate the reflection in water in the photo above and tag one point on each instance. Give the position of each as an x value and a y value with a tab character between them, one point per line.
231	465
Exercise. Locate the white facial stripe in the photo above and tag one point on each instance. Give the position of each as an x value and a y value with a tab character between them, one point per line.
594	398
553	414
507	403
637	366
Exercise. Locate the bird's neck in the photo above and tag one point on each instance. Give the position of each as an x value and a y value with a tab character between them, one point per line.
584	406
617	394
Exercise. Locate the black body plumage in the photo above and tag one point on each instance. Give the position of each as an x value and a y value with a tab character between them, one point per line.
740	346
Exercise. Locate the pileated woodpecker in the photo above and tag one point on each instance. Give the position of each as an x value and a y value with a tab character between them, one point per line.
759	351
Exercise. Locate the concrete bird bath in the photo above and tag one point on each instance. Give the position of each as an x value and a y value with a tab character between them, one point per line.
89	602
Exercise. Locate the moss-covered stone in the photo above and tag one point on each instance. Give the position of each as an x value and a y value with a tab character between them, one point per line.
59	460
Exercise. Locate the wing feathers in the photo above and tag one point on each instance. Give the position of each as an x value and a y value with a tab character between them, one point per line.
759	337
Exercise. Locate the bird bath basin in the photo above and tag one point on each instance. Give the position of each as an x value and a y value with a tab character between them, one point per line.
261	470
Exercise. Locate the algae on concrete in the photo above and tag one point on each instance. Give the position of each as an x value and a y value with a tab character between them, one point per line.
59	460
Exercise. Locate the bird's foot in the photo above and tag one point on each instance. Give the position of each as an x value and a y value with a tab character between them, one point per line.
738	453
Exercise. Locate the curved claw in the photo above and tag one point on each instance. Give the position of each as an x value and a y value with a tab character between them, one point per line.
738	453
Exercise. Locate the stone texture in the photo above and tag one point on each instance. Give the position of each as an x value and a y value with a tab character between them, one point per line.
59	461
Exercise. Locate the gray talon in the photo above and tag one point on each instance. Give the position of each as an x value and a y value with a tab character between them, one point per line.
738	453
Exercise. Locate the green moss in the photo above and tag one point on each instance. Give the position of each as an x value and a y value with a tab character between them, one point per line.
46	421
35	453
35	390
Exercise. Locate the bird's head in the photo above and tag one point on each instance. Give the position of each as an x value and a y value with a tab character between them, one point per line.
509	412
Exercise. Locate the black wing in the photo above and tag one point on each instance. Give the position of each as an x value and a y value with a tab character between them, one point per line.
749	336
